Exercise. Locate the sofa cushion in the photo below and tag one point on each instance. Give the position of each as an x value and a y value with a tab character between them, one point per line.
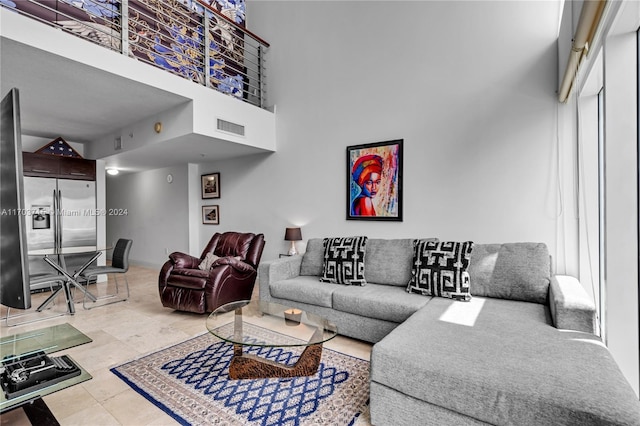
313	258
388	261
304	289
502	362
344	260
390	303
517	271
440	269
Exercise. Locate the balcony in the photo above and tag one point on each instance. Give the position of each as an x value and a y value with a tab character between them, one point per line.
189	38
82	78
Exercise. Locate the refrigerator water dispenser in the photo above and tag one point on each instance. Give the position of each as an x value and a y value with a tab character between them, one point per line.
41	218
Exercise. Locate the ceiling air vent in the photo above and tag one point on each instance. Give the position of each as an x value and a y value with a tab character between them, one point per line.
117	144
229	127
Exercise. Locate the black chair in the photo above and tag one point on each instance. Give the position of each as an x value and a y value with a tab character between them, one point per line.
119	265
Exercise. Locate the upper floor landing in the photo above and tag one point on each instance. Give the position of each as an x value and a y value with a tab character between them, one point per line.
83	80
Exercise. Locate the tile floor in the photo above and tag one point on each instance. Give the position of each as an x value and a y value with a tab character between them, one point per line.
121	332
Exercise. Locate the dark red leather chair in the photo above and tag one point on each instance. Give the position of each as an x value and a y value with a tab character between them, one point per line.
186	287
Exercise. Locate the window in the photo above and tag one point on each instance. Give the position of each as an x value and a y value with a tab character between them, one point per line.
601	298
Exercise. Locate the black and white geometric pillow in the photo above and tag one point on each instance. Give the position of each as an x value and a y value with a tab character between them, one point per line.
440	269
344	260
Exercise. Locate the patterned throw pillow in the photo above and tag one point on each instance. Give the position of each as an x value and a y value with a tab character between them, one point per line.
344	260
440	269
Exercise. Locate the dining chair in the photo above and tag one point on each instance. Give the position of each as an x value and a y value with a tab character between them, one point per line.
119	265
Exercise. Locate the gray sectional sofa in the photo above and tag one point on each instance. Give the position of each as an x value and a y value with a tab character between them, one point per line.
523	351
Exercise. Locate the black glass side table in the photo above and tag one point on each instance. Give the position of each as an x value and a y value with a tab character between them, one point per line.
47	340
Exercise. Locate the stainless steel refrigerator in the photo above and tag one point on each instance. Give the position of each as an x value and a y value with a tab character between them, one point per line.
61	213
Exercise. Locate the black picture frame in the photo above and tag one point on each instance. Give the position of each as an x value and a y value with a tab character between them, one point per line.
379	199
211	215
210	185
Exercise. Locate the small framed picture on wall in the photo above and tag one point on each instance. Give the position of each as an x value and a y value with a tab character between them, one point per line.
211	185
211	215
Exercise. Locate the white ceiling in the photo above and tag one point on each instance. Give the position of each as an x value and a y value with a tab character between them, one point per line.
59	97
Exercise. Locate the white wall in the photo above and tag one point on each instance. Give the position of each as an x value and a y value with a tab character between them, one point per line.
472	96
156	216
101	220
177	122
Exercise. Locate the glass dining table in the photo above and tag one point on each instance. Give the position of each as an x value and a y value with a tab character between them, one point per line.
55	259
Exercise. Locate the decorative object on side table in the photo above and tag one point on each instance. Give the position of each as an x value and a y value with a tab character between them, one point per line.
211	186
374	181
293	235
211	215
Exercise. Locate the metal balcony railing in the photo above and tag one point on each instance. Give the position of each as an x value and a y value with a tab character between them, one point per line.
201	40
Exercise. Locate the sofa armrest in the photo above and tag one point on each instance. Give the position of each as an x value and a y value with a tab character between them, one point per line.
184	261
571	306
277	270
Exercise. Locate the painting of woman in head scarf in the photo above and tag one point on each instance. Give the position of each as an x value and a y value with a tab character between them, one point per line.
374	188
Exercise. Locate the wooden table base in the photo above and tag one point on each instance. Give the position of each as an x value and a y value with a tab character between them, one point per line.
247	366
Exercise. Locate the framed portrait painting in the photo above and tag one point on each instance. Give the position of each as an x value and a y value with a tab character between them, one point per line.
211	185
211	215
374	181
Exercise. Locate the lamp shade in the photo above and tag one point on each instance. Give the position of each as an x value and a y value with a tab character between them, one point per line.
293	234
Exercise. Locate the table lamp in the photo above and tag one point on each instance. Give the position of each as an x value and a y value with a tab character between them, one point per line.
293	235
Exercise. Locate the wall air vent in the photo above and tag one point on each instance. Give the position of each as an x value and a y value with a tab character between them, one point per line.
117	143
229	127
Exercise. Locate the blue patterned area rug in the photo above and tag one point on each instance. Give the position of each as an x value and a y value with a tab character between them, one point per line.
189	381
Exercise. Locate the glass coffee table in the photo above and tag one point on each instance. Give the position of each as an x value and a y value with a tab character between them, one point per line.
291	327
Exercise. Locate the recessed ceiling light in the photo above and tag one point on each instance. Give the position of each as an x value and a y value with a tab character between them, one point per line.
113	172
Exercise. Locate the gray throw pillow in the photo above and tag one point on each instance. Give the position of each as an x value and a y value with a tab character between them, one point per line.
313	258
516	271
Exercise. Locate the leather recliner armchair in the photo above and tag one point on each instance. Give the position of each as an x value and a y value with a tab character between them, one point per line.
184	286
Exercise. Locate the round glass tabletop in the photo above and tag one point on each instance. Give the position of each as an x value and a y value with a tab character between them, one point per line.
244	322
